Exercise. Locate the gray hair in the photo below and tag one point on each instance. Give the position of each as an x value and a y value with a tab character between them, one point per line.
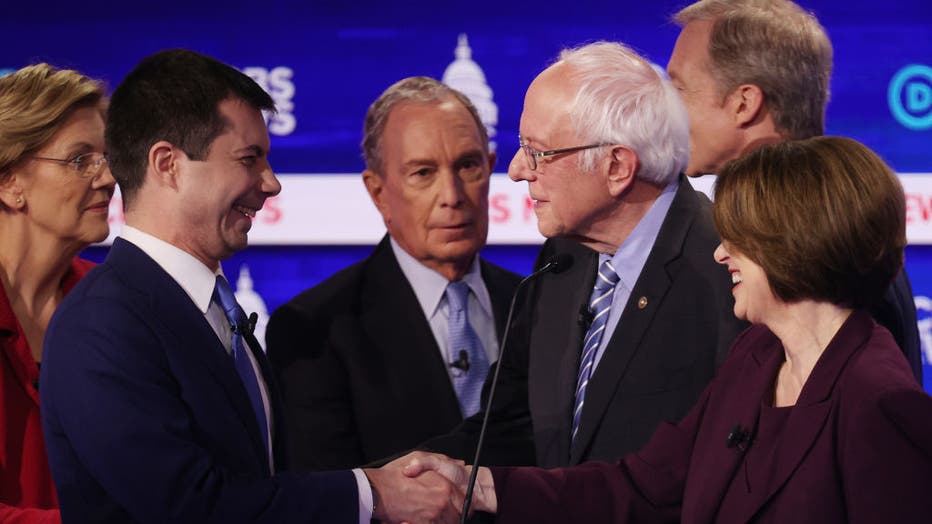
775	45
411	90
622	99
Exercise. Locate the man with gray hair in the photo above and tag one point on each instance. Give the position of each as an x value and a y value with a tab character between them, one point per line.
395	349
753	72
632	332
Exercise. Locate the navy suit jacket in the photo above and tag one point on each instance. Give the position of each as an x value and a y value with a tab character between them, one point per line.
145	418
857	447
362	375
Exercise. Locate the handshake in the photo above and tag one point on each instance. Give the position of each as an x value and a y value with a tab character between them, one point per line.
426	487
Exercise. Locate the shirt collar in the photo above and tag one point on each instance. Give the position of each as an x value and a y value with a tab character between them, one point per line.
631	256
196	279
429	286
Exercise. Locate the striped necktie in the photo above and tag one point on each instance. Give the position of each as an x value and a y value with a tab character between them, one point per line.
223	296
599	305
463	341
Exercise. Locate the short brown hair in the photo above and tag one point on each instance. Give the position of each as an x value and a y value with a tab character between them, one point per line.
411	90
34	102
824	217
172	95
775	45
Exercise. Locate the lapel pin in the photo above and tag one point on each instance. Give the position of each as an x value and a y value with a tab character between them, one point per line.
642	302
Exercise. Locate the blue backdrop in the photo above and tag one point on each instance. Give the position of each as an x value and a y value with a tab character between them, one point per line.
325	61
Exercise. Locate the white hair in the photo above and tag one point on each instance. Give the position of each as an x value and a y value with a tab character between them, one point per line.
622	99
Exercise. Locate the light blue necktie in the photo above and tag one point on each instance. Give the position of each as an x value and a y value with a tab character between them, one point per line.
463	341
599	305
223	295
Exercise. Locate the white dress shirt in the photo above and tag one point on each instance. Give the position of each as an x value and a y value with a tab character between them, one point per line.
430	289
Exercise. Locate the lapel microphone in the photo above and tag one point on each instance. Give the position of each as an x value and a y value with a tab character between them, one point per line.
739	438
557	263
461	363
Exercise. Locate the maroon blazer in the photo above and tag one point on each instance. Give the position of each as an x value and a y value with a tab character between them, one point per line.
857	448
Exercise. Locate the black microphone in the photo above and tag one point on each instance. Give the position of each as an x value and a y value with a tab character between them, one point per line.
251	326
586	316
461	363
739	438
557	263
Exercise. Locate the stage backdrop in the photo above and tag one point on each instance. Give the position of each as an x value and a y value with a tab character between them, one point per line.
324	62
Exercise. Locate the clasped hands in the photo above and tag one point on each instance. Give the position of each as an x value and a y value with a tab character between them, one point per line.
427	487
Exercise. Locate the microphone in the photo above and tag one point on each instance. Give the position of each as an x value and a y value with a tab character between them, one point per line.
557	263
248	327
585	317
739	438
461	363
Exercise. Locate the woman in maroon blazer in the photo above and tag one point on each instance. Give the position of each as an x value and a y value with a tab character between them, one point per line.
814	416
55	191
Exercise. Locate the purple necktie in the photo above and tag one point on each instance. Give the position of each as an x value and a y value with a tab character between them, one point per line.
599	304
465	349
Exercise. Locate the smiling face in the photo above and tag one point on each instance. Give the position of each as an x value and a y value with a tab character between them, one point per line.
567	201
56	200
714	138
754	298
220	195
433	192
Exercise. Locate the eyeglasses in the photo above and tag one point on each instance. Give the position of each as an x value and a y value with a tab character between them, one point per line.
88	165
532	154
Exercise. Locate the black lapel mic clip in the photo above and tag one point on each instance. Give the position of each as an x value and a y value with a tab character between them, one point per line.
739	438
461	364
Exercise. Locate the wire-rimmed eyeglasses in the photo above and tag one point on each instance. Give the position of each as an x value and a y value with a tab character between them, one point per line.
532	154
87	165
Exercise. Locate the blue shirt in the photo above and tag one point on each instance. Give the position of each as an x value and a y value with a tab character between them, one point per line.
630	258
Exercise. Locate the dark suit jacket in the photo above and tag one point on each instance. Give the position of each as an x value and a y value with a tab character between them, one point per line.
145	417
675	329
362	375
896	311
856	448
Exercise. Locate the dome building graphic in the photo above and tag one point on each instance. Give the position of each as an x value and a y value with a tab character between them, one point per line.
465	75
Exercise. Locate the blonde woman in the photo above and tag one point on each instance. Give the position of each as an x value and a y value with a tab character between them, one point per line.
55	190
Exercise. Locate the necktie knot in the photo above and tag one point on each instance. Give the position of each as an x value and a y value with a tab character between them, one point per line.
607	277
224	296
457	294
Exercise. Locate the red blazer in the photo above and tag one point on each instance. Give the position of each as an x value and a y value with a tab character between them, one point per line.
26	487
857	447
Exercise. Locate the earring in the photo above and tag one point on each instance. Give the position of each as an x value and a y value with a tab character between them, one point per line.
19	200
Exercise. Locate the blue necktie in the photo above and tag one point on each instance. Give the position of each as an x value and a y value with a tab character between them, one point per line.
599	304
223	295
463	341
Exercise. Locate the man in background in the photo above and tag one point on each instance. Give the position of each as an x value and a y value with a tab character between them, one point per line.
394	349
753	72
158	403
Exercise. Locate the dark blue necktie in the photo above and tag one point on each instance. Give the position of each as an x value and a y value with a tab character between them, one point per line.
464	342
600	303
223	295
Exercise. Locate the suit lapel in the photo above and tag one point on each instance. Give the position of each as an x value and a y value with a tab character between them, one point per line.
810	413
195	339
653	284
391	318
714	461
570	290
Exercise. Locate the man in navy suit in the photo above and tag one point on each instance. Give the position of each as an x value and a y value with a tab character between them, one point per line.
158	403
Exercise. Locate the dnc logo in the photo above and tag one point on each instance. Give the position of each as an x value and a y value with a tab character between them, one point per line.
910	97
